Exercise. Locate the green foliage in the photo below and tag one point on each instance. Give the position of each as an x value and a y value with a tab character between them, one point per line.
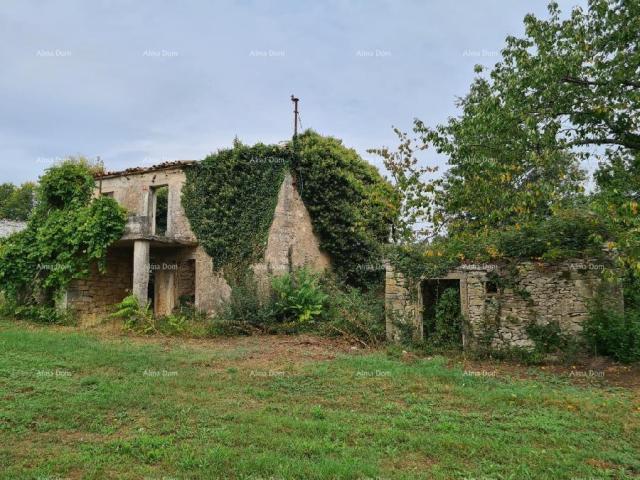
230	199
548	338
299	300
445	328
16	203
353	313
612	332
616	202
567	234
137	318
352	207
37	313
62	238
244	313
512	151
66	185
162	209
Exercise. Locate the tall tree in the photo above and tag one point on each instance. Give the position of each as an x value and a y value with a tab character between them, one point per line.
513	151
16	203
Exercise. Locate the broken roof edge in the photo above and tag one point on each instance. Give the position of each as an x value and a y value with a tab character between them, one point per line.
177	164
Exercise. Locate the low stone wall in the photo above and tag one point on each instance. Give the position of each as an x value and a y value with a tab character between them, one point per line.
535	292
92	299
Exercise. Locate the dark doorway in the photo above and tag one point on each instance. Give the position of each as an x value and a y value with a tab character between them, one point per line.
442	312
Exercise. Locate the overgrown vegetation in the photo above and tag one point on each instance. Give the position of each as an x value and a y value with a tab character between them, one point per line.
513	188
16	203
613	332
301	301
353	209
66	233
298	299
230	198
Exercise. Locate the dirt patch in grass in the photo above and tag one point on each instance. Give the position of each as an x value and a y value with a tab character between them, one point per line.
255	350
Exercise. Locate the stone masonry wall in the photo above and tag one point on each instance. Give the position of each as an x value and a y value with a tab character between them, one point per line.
133	192
291	242
93	298
541	293
402	305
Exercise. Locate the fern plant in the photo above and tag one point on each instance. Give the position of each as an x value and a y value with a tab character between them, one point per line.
138	318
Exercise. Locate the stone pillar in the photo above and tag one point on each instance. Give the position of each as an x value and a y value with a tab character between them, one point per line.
165	292
141	270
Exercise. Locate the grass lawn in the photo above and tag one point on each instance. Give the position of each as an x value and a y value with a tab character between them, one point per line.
93	405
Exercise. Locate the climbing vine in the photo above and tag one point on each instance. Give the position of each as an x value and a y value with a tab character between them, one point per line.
352	207
568	234
67	232
230	199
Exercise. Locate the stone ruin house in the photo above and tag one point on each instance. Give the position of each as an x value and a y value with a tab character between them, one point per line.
159	259
500	314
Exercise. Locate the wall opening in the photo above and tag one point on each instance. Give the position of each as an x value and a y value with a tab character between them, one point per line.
160	210
490	287
442	312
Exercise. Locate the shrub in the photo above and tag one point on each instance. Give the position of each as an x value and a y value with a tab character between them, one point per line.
298	298
244	312
613	333
356	314
447	323
37	313
547	338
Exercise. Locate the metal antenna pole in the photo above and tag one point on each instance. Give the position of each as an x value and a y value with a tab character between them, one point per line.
295	115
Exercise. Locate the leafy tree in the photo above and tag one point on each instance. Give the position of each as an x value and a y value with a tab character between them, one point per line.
66	233
513	151
16	203
6	190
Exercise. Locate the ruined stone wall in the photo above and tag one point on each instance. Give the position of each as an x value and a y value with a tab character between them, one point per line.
292	242
92	299
134	191
536	292
402	306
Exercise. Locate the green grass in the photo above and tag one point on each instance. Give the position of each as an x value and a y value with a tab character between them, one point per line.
75	405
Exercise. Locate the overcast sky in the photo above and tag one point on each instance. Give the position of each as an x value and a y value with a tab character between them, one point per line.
141	82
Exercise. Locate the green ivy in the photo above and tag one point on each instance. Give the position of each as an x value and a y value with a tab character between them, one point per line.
352	207
230	199
67	233
567	234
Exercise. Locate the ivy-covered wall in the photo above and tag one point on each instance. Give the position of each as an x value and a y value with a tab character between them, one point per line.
230	199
